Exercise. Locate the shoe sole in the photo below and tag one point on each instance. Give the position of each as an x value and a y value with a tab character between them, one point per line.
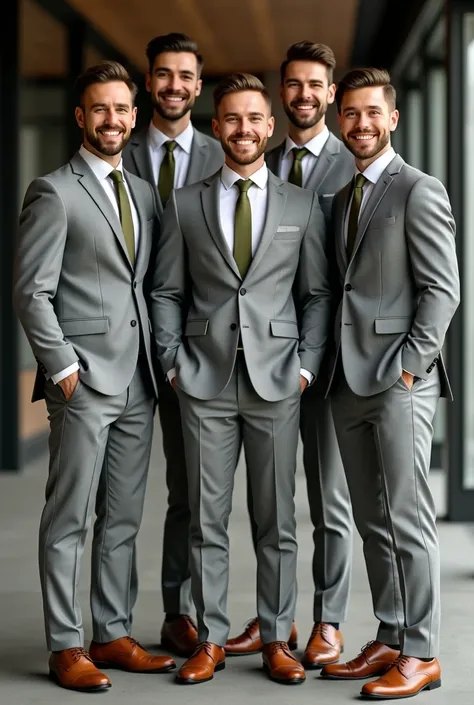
292	646
116	667
430	686
316	665
191	681
329	677
93	689
283	681
169	646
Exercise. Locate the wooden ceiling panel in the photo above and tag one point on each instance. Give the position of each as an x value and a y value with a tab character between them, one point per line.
43	43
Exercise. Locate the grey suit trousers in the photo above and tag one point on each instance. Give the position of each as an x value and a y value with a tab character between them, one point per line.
99	454
214	431
385	442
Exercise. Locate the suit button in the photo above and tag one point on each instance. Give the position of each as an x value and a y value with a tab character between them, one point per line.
348	287
233	326
133	323
243	291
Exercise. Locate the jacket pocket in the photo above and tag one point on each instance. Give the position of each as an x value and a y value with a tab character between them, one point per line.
197	327
377	223
393	324
84	326
284	329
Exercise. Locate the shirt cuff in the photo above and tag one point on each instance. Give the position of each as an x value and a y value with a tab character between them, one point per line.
307	375
408	372
64	373
171	374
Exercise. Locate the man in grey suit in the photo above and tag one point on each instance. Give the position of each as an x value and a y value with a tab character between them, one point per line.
314	158
395	253
235	253
171	153
85	239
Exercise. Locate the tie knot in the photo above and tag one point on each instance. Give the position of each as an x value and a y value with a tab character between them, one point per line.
244	185
116	176
299	153
170	146
359	181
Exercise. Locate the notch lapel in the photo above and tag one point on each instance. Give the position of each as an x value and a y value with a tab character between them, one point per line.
275	209
197	160
374	199
339	222
324	164
210	207
143	246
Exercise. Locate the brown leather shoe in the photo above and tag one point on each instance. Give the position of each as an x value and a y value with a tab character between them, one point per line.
180	636
374	659
250	642
73	669
281	665
200	668
324	647
407	677
126	654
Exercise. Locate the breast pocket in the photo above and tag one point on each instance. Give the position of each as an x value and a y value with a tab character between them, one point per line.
382	223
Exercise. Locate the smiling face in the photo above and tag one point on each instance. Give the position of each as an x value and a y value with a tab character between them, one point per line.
243	125
306	93
174	84
107	117
366	121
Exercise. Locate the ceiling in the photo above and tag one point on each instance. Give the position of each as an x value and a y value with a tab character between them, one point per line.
246	35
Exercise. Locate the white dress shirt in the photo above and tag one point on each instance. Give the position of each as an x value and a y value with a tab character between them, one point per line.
181	153
258	197
102	171
314	146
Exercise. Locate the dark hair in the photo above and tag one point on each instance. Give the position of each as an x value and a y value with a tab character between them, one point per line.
309	51
104	72
174	42
237	83
366	78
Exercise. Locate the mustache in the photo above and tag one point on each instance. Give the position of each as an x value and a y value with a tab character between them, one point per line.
175	94
110	127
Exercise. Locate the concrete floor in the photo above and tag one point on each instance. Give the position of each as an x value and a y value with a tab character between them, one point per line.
23	659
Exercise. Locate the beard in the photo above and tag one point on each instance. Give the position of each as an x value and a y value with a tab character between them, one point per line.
304	122
360	152
98	141
173	114
241	159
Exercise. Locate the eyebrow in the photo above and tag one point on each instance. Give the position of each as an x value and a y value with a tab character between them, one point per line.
238	115
104	105
366	107
299	80
184	72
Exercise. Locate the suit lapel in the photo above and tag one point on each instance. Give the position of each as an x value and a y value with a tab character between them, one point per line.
324	164
340	211
89	182
275	208
273	159
374	199
141	156
210	205
142	220
198	159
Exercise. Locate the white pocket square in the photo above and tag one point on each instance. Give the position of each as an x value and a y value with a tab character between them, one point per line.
327	195
287	229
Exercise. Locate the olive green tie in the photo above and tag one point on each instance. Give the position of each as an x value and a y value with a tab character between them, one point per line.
243	228
296	172
125	213
353	223
166	176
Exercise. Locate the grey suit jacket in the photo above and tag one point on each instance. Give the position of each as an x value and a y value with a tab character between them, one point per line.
334	169
200	305
206	158
76	293
401	287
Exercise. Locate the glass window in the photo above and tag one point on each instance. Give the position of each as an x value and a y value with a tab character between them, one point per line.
414	135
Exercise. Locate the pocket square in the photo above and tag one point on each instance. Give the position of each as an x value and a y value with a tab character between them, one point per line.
288	229
328	195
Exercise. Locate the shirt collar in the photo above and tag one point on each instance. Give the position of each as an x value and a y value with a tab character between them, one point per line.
99	166
375	170
315	145
184	139
230	177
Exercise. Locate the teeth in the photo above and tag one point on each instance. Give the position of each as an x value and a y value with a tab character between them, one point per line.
174	99
363	137
305	107
111	133
244	141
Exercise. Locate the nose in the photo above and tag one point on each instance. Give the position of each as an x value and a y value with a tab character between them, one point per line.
175	83
363	122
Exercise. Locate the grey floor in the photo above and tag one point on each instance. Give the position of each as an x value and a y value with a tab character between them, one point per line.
23	659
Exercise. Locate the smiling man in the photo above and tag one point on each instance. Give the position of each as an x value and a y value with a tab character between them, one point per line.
237	254
399	288
85	239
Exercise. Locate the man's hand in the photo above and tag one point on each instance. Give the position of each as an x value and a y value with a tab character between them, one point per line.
173	382
303	383
408	379
68	384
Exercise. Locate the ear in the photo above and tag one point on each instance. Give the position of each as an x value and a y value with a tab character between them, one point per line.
148	81
216	128
331	93
79	115
394	116
198	88
271	126
134	117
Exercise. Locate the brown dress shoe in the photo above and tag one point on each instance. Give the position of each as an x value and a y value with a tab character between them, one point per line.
180	636
206	659
407	677
324	647
281	665
374	659
73	669
250	642
126	654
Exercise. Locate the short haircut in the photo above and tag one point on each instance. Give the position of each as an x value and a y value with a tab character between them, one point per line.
238	83
173	42
366	78
104	72
309	51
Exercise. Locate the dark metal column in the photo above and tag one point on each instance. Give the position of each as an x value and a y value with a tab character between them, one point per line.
77	32
9	139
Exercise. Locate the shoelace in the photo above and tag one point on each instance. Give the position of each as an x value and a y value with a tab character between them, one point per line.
204	646
370	646
319	628
249	626
189	621
281	646
78	653
400	662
